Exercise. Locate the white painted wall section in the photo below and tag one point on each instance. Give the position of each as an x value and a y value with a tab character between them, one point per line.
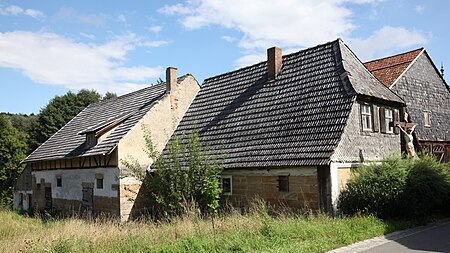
72	180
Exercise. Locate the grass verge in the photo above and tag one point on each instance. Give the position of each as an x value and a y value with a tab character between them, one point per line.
253	232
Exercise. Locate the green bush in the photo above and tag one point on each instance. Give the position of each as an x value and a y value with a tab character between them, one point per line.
398	187
427	188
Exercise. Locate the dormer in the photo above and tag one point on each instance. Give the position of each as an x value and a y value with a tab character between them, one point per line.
97	133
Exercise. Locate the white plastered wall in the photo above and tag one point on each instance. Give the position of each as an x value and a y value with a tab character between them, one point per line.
72	180
334	178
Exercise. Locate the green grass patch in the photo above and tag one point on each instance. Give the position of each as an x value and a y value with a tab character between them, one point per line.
254	232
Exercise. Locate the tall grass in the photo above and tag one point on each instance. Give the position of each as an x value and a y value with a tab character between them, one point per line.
254	232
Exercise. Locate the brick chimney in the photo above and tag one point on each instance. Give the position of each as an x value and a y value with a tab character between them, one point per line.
171	78
274	60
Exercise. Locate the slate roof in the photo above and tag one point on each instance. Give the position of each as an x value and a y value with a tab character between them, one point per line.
388	69
421	85
69	141
296	120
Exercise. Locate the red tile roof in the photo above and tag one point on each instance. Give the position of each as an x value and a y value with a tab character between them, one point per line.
388	69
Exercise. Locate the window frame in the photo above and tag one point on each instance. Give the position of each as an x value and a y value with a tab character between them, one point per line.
222	179
388	120
426	119
366	115
281	179
58	181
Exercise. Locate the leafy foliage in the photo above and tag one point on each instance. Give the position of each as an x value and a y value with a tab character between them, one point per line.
59	111
13	148
398	187
187	175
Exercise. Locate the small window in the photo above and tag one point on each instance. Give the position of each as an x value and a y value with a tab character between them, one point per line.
59	182
389	120
427	119
38	186
283	183
226	185
99	183
366	117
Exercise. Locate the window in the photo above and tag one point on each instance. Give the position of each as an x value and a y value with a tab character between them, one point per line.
389	120
99	180
99	183
58	181
427	119
366	117
283	183
226	185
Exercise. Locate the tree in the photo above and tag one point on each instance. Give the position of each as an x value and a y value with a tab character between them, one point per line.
13	148
59	111
187	174
109	95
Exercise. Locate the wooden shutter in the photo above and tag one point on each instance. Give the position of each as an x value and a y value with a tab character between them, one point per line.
382	120
375	121
396	119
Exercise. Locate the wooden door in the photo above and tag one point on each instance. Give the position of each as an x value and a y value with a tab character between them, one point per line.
48	198
88	200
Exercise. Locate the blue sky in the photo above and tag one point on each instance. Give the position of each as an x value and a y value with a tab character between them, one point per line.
50	47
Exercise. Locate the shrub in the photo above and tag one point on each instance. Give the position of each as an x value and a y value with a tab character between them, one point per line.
185	177
398	187
427	188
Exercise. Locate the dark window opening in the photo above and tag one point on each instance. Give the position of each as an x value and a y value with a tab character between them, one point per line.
59	182
283	183
226	185
99	183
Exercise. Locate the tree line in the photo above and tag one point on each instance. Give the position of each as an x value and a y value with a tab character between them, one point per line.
21	134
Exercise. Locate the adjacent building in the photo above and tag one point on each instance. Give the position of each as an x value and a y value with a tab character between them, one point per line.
80	168
413	76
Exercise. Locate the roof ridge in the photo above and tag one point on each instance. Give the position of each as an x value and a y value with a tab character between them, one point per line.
395	55
265	61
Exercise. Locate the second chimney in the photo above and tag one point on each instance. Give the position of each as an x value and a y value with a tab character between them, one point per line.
171	78
274	61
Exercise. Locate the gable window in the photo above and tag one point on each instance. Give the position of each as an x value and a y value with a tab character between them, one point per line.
226	183
283	183
426	119
366	117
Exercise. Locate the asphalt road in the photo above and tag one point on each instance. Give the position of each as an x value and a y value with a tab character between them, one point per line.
431	238
435	238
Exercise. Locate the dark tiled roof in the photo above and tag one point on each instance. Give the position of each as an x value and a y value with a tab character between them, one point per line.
296	120
388	69
68	142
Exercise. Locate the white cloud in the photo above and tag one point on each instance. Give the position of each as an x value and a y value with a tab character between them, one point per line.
155	29
229	38
386	41
289	24
156	43
175	9
122	18
268	22
70	15
49	58
419	9
88	35
14	10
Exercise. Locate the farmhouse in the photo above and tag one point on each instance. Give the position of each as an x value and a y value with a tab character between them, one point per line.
80	167
414	77
290	129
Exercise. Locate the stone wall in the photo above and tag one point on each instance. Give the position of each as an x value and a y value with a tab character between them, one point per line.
250	184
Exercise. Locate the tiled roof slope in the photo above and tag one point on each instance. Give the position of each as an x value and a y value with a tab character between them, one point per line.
67	142
296	120
388	69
